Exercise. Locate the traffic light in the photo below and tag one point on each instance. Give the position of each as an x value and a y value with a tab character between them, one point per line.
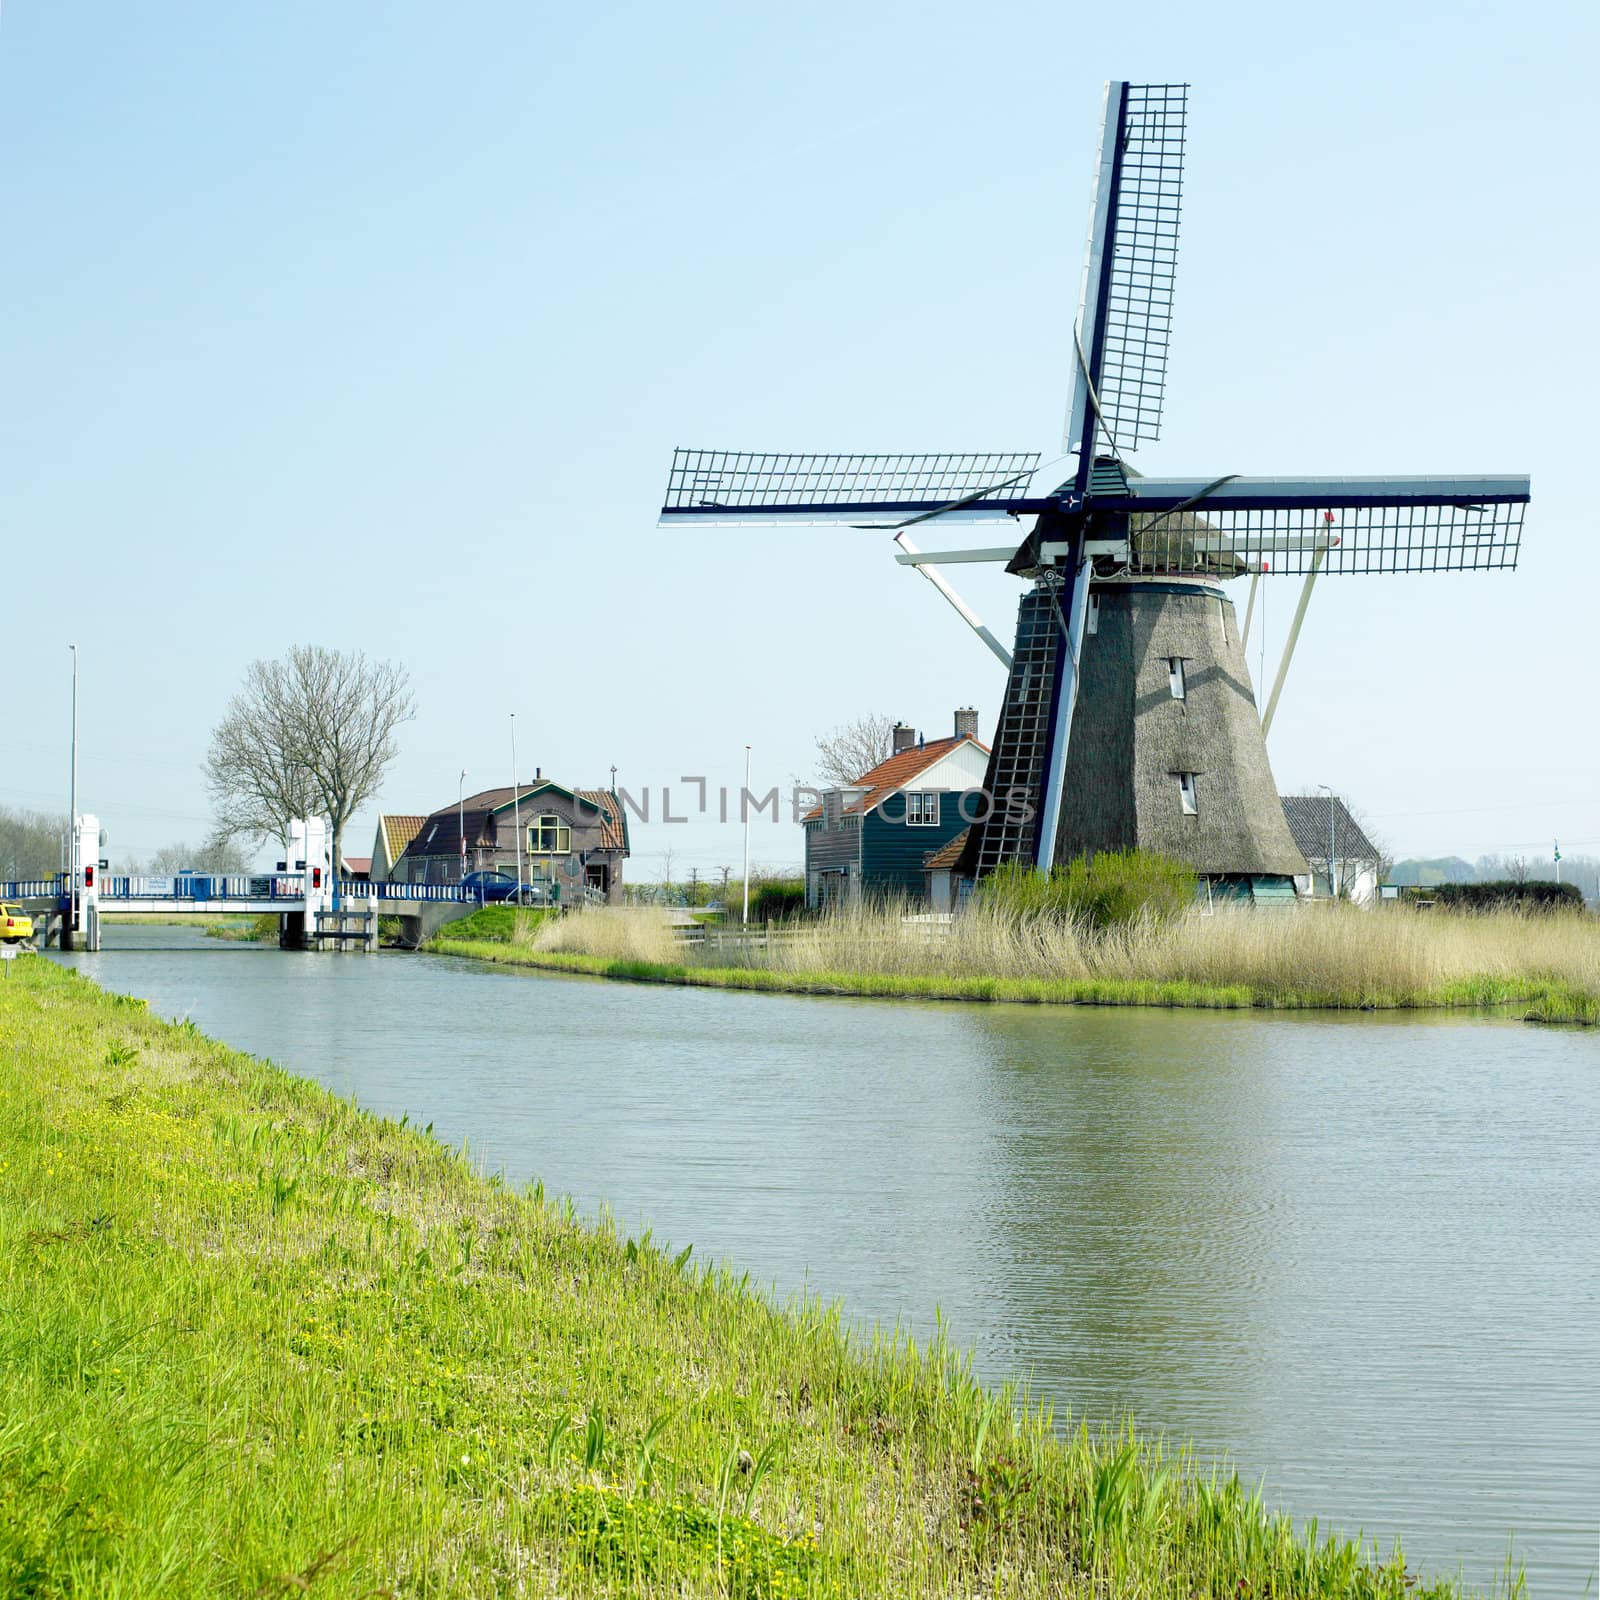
88	876
316	877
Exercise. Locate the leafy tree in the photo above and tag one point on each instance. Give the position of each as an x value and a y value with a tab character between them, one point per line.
312	734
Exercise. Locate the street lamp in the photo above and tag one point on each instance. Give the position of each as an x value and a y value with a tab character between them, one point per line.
72	813
744	805
516	805
461	824
1333	882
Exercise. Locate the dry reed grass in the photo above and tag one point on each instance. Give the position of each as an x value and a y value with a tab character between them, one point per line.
1334	955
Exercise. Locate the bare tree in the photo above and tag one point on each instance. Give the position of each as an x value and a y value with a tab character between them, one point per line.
310	734
30	843
215	855
856	747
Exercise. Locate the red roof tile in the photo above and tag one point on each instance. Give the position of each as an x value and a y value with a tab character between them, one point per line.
948	857
890	776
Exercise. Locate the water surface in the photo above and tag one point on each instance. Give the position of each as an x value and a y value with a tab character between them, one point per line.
1357	1254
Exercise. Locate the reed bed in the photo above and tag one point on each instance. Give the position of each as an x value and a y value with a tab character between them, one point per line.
257	1342
1314	956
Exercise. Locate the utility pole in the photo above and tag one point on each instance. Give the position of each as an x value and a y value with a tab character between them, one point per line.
461	821
516	805
694	887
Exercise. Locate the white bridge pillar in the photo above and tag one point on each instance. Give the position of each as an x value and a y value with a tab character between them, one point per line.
84	917
310	860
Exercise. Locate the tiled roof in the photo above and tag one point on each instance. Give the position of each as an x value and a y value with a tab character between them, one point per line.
1308	819
398	832
890	776
948	857
613	819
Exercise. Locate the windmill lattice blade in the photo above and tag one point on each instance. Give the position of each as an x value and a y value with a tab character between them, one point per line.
1144	258
1360	525
733	486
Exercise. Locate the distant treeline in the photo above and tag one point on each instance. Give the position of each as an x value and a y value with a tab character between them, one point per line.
30	843
1583	871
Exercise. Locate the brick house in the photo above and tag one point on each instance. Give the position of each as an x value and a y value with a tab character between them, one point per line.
570	840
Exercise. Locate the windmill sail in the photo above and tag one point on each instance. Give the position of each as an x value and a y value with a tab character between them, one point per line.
1125	308
875	491
1359	525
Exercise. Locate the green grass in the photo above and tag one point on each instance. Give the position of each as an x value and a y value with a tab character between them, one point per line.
1539	1000
256	1342
904	986
245	930
496	924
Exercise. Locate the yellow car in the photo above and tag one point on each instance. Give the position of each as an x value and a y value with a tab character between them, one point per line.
15	925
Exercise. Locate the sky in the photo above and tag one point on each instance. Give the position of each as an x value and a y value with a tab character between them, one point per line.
375	327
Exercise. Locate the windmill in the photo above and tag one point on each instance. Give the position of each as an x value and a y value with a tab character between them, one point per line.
1128	717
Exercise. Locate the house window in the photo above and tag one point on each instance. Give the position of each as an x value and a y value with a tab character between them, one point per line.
922	810
1175	677
1186	794
550	835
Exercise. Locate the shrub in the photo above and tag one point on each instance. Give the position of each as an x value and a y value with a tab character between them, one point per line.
1111	889
1507	894
777	899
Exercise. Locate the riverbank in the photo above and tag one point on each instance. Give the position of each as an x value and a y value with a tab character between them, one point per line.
256	1340
1544	969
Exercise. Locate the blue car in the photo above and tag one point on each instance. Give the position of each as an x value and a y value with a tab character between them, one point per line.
488	887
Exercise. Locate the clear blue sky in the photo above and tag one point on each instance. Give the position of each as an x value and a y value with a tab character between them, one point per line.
375	327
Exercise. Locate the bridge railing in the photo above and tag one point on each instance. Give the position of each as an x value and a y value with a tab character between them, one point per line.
233	886
31	889
204	886
354	890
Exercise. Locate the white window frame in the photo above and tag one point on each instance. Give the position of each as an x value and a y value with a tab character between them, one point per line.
1175	678
922	808
1188	796
563	834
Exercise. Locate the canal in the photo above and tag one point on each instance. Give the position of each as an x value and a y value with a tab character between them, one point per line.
1358	1255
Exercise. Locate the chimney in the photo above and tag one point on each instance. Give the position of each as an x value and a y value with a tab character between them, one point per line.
966	722
905	737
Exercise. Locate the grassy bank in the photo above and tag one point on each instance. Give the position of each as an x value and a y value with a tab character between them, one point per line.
1328	957
256	1342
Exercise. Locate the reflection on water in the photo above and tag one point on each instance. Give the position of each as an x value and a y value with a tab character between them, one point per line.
1355	1253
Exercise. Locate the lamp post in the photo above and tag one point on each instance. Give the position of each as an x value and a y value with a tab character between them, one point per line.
461	823
72	813
1333	882
744	805
516	805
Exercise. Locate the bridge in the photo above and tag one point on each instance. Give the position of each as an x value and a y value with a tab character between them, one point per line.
318	915
315	910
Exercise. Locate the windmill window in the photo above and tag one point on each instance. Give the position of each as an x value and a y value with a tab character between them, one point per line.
1186	794
922	810
1094	612
550	835
1175	678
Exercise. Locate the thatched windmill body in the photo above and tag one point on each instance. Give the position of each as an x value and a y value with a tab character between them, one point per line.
1129	717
